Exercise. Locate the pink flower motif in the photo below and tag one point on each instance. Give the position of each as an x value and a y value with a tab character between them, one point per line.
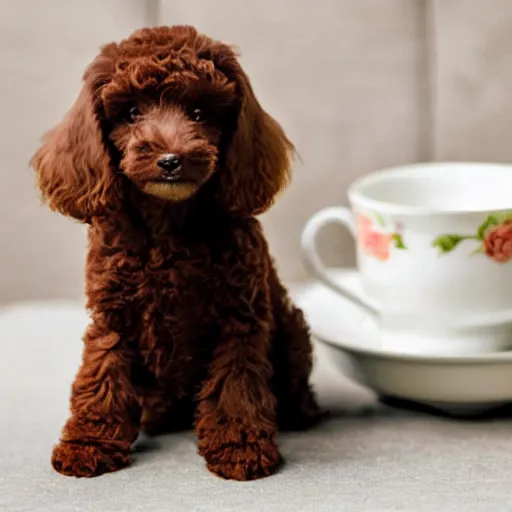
364	226
372	242
498	243
377	245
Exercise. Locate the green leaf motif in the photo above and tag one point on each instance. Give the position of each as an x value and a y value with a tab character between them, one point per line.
492	220
399	243
447	243
379	219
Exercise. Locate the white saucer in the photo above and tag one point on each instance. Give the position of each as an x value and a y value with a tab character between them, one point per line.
456	384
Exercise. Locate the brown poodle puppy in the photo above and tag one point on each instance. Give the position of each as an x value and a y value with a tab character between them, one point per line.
168	156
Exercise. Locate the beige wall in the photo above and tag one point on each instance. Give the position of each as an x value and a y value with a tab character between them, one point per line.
473	79
358	85
45	46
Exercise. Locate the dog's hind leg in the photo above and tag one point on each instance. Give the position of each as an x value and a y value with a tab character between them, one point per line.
292	361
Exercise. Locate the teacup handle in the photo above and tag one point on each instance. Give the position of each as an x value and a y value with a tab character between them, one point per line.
338	215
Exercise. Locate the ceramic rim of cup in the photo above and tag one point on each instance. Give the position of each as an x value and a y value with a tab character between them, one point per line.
357	198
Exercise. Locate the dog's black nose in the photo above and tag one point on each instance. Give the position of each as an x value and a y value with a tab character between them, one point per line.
169	162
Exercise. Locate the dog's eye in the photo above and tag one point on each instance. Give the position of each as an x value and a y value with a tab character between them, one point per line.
143	147
197	115
133	114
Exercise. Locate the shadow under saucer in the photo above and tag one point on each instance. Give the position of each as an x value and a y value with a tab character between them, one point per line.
460	411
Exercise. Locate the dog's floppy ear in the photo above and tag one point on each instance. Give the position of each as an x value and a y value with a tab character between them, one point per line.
258	157
73	165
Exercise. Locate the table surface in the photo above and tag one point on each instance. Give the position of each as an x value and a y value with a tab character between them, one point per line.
367	457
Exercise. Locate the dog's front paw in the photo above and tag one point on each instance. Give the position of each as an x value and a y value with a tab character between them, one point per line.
87	460
245	454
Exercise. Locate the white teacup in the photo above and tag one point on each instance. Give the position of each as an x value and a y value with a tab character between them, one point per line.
434	254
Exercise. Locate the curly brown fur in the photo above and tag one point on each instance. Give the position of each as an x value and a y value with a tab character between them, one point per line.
189	321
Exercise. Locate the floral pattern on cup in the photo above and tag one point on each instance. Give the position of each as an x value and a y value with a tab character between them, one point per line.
377	242
493	238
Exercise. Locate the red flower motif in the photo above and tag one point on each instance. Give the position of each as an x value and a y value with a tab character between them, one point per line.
498	243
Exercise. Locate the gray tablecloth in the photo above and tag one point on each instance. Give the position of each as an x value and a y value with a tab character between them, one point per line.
367	457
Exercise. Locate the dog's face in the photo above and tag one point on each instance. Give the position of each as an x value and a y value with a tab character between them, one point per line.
167	150
169	129
169	110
